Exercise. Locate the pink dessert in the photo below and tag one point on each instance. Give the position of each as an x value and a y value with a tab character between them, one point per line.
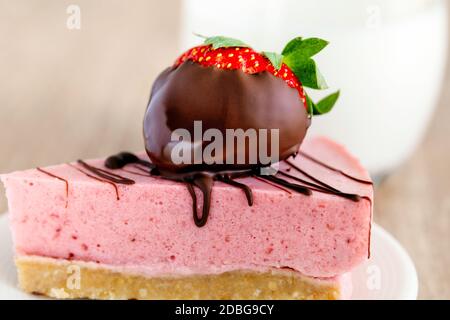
248	209
147	228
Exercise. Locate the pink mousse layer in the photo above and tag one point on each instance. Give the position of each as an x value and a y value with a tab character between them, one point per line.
151	229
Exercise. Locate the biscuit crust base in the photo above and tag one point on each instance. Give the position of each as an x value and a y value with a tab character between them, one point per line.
64	279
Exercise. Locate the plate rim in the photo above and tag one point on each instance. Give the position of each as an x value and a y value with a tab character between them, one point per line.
413	290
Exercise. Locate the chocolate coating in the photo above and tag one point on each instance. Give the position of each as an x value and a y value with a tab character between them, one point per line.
221	99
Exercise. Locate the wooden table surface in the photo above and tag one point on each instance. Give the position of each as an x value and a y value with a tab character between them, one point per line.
70	94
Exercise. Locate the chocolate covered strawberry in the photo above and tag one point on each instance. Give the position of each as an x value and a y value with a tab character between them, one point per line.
245	59
226	86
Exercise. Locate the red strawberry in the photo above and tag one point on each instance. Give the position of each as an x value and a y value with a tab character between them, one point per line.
243	58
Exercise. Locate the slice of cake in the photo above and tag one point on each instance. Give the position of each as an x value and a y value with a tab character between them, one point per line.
140	241
227	202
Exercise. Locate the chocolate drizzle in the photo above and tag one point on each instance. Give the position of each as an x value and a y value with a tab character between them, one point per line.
109	176
122	159
293	186
138	173
59	178
116	189
320	188
204	183
272	184
106	176
204	180
248	192
307	156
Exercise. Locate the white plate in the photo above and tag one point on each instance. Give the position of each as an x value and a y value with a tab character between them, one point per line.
388	274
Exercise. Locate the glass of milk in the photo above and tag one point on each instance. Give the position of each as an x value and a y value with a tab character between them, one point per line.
387	56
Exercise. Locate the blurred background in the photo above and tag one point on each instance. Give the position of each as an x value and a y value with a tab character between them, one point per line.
75	77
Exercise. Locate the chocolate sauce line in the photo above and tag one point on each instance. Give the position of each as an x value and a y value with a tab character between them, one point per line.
271	184
59	178
136	166
116	189
293	186
326	187
204	183
106	174
194	202
147	164
122	159
319	188
137	173
248	192
305	183
293	166
334	169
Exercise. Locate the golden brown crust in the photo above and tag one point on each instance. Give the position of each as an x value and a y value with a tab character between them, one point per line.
71	279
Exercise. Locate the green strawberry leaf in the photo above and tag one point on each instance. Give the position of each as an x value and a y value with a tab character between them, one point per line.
308	73
291	46
275	58
224	42
297	56
323	106
303	49
326	104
